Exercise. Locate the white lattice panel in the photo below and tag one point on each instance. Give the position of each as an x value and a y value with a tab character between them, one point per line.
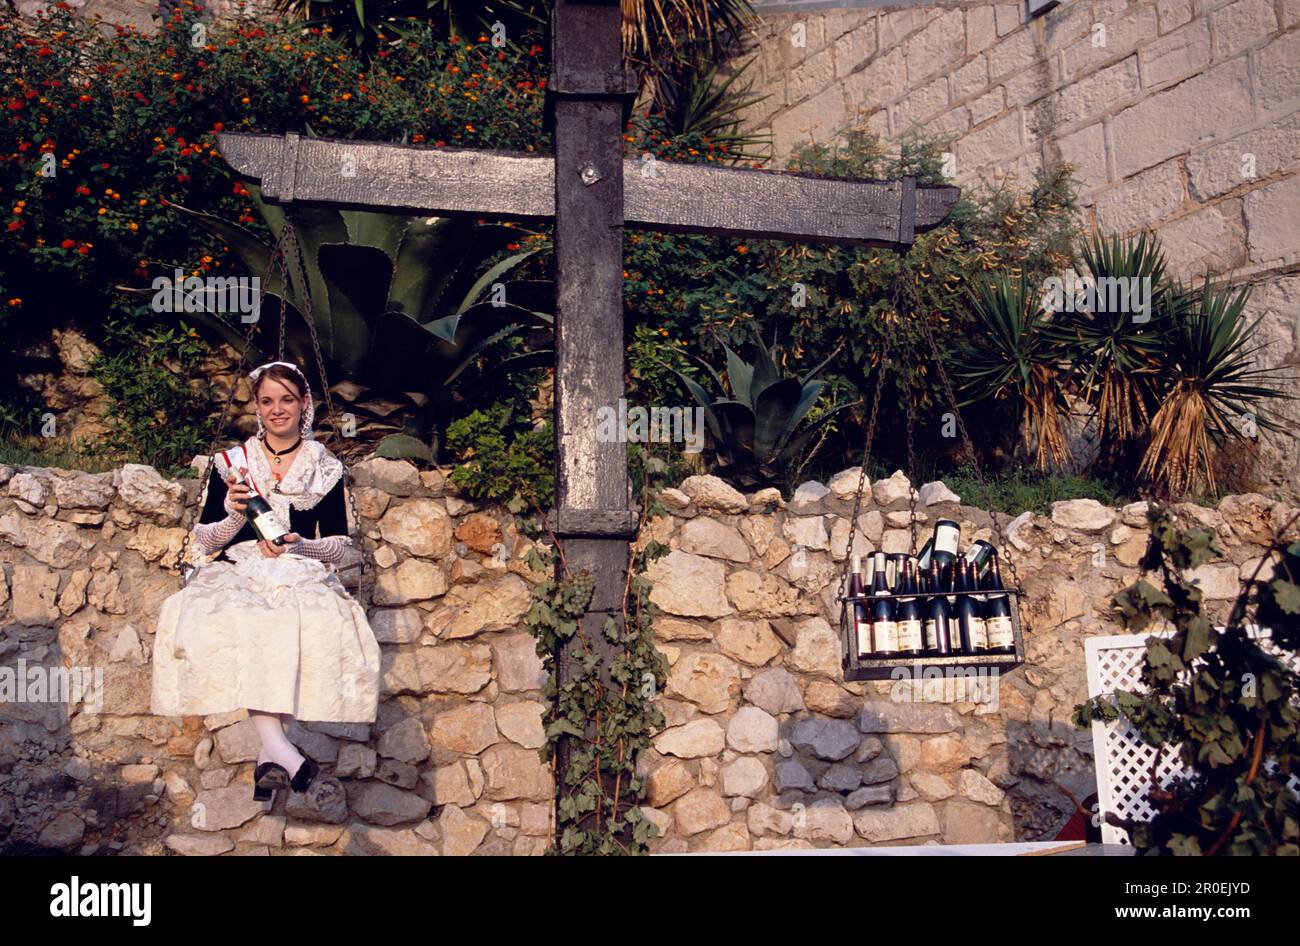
1122	759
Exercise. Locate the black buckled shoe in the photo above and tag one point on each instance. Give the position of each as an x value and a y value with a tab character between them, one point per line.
306	773
265	779
268	777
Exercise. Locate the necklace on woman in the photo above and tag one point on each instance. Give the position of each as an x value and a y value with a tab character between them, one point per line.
277	458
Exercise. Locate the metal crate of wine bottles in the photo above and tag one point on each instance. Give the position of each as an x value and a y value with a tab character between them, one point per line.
861	667
935	609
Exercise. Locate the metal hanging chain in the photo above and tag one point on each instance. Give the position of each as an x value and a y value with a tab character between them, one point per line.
277	255
866	458
279	264
911	466
367	559
902	308
970	447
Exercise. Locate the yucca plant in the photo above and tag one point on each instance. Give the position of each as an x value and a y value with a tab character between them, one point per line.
756	421
1008	356
398	303
695	100
1213	390
1115	347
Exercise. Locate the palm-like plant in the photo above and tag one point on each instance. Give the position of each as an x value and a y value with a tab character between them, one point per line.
754	422
1010	357
694	99
1213	390
1115	347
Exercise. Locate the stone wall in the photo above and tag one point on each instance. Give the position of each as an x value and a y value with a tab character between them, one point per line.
765	745
1182	116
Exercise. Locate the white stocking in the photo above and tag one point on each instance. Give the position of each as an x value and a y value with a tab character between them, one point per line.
276	746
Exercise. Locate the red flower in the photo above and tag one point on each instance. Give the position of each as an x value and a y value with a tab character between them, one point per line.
68	244
15	225
83	249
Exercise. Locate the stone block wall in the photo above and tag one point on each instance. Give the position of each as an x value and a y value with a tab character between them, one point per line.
1181	116
765	745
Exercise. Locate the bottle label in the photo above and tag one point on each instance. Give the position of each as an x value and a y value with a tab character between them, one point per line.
886	634
267	526
863	631
979	635
999	631
932	636
909	635
946	539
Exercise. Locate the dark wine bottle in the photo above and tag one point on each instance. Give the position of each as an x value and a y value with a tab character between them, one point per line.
894	569
980	552
997	618
974	636
938	636
947	535
911	626
923	559
884	622
858	614
266	524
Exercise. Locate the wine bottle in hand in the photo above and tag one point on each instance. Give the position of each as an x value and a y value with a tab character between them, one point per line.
262	517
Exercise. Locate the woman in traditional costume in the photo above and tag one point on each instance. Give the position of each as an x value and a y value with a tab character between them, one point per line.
263	626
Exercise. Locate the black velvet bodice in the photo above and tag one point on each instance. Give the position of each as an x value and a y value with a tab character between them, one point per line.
327	517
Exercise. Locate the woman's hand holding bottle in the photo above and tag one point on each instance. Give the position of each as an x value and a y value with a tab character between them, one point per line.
271	550
237	493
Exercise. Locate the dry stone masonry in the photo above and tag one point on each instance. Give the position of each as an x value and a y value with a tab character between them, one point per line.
765	746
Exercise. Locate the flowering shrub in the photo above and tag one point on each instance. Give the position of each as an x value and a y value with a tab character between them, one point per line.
103	132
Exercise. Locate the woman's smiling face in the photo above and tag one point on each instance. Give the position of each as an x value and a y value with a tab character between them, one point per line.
279	406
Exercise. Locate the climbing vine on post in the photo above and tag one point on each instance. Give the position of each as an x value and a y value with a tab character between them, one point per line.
599	795
1225	702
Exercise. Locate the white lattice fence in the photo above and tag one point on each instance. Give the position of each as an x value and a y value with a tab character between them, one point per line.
1122	759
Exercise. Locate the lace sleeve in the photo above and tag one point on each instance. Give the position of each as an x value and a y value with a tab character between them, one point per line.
331	548
333	525
213	532
213	536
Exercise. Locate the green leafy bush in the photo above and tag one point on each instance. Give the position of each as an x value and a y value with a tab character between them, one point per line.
1225	703
503	459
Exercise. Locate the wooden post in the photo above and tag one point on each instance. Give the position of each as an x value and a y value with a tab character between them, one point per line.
588	90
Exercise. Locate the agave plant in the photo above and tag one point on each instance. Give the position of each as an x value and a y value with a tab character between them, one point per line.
398	305
754	421
1115	342
1009	356
1214	391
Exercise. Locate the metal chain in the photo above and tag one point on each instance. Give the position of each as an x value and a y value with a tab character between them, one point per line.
900	306
998	534
367	559
279	263
866	458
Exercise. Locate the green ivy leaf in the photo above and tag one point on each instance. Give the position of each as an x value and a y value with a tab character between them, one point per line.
1287	595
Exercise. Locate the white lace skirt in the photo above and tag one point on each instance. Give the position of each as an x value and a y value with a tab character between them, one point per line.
279	635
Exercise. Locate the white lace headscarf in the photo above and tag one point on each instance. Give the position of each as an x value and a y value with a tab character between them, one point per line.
311	476
308	406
